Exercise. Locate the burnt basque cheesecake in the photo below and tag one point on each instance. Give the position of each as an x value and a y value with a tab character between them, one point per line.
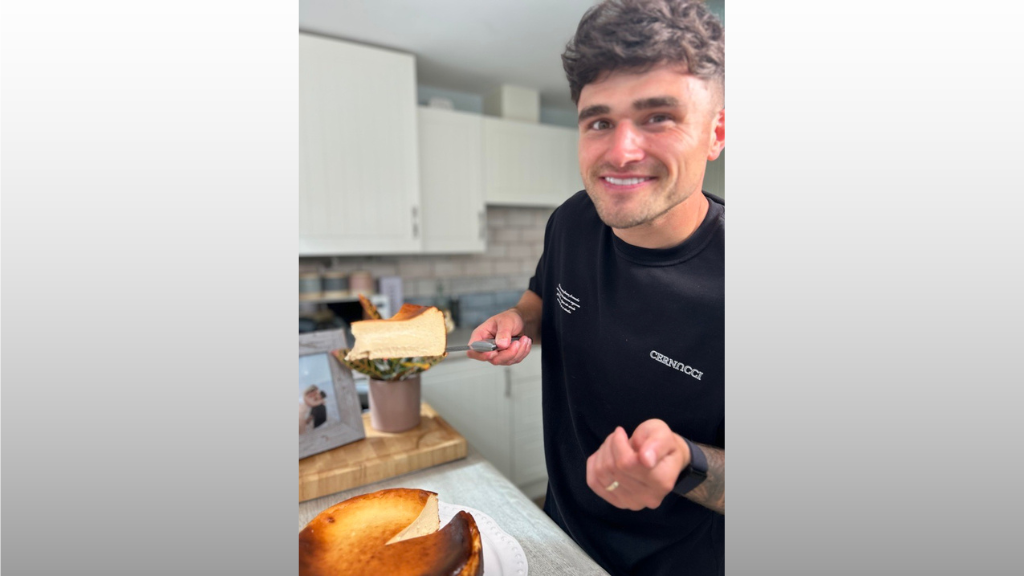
415	331
390	532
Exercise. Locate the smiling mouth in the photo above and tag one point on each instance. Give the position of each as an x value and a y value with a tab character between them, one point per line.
626	182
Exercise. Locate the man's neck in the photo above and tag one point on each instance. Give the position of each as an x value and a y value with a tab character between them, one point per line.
671	228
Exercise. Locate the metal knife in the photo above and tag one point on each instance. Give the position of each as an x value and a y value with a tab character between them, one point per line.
478	346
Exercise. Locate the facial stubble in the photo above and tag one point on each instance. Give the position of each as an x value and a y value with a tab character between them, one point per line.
645	213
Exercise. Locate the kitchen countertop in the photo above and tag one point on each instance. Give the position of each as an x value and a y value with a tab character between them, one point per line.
475	483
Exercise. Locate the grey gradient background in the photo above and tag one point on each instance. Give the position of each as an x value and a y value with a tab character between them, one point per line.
150	176
874	277
874	283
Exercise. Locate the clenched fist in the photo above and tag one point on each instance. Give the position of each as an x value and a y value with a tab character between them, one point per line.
637	472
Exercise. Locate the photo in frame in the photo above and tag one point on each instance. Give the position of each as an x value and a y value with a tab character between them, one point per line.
329	410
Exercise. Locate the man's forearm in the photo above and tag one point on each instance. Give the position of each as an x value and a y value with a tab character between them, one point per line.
711	492
529	309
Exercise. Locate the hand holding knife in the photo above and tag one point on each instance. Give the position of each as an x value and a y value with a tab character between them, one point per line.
479	346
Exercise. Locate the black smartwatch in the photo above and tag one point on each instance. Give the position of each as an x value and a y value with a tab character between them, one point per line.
695	473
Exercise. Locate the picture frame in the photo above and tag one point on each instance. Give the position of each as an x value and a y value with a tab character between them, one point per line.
329	411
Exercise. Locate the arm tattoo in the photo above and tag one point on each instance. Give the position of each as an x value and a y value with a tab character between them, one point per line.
711	492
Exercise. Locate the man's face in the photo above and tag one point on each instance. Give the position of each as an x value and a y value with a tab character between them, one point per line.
644	142
313	398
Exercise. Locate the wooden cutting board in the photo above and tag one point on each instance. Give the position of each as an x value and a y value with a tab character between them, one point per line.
380	456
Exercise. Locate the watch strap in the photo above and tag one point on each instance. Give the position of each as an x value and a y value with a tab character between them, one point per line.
695	473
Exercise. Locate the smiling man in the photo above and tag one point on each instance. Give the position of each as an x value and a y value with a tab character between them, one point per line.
628	298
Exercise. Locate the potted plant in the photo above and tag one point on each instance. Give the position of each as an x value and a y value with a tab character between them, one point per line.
394	389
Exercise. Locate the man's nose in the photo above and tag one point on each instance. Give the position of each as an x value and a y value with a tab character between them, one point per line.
626	146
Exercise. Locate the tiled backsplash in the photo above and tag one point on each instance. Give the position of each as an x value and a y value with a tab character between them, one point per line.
515	241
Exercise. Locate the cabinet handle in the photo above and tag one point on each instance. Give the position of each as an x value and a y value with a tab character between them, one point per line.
483	224
415	222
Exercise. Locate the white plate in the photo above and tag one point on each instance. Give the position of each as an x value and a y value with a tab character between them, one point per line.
503	556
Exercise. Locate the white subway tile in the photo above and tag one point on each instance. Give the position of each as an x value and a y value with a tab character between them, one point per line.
479	267
447	268
507	267
507	235
532	234
520	251
415	269
495	250
521	218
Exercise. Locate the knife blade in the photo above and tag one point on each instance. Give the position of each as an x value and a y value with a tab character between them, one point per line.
479	346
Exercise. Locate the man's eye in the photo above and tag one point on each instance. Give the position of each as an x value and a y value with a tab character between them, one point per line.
599	125
657	118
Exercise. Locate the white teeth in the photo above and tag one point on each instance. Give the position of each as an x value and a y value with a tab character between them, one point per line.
625	181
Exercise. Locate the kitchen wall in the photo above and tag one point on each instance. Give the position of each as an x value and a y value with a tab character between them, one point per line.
470	102
515	240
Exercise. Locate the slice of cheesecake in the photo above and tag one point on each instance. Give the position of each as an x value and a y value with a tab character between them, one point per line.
413	331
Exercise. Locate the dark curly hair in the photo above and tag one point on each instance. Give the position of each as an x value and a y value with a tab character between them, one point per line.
639	34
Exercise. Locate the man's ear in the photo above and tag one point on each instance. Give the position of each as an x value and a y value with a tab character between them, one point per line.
717	136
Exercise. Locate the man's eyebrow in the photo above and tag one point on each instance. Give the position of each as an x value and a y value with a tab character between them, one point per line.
591	111
644	104
656	102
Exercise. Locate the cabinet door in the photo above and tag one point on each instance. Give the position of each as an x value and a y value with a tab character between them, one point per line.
529	164
528	465
571	170
451	181
358	173
471	396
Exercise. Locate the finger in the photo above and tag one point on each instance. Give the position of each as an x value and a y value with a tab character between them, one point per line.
658	447
625	493
604	477
483	356
484	331
626	463
506	329
622	452
592	479
603	467
508	324
590	471
631	494
646	429
664	475
653	440
507	356
648	481
525	344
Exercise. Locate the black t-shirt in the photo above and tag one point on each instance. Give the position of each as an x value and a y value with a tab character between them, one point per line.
630	334
319	415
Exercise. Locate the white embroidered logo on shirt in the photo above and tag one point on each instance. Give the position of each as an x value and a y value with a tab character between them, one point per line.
688	370
567	301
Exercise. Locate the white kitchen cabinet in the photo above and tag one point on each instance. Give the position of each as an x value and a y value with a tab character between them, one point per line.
451	181
471	396
498	410
358	164
529	164
529	470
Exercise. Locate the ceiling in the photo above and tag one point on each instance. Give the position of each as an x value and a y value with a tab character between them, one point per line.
464	45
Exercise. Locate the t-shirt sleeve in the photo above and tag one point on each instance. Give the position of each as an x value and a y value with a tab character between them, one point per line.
537	281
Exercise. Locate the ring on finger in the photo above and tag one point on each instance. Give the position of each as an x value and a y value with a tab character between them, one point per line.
611	487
